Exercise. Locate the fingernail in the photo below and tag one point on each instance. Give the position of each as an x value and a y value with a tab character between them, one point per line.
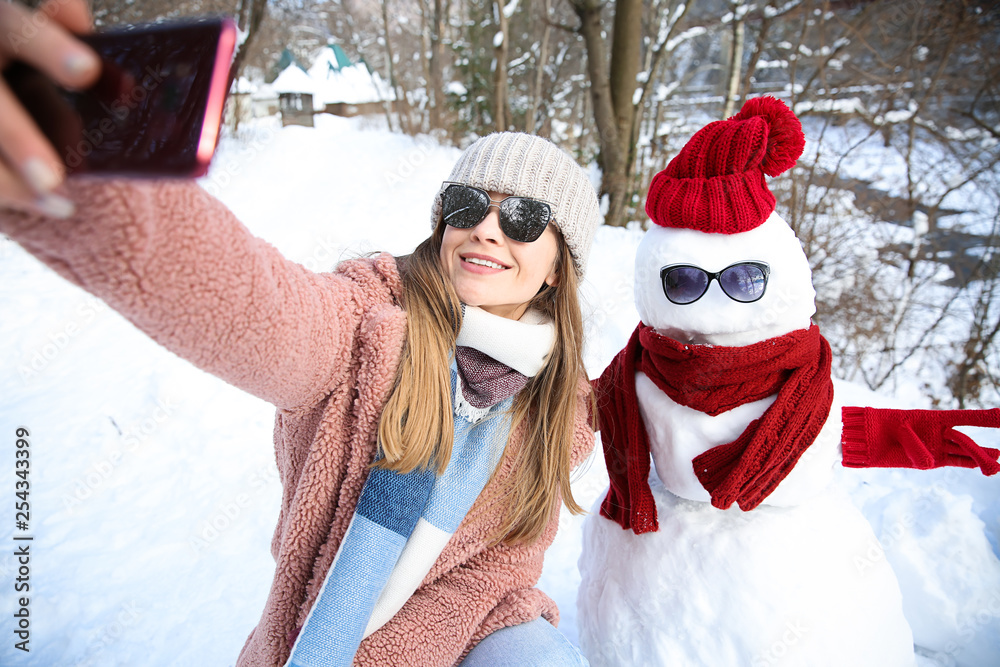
55	206
40	176
78	64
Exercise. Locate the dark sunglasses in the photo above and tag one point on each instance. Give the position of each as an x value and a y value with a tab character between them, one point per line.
521	218
744	282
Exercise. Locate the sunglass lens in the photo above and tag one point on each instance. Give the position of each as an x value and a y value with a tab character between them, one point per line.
743	282
524	219
685	284
464	207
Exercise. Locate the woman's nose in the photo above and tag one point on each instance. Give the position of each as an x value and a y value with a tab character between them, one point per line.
489	229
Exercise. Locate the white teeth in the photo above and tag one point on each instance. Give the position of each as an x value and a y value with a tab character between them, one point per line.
483	262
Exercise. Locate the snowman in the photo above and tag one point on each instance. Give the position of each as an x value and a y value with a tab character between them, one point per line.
737	550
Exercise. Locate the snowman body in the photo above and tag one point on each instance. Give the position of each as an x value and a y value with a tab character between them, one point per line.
785	583
774	586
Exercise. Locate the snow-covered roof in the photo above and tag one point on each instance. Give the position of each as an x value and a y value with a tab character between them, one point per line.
352	85
243	86
293	80
329	58
265	91
337	79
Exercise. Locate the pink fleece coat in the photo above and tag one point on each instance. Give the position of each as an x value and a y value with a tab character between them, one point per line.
323	348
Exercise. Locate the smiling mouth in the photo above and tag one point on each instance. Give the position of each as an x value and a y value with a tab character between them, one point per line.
479	261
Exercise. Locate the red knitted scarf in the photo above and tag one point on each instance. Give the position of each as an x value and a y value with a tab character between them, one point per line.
713	380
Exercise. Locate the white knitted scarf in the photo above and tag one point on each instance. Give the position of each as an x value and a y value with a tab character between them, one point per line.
496	344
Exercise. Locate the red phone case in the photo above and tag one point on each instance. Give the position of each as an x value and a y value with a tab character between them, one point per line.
156	109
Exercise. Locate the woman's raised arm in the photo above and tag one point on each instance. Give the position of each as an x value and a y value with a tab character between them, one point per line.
179	265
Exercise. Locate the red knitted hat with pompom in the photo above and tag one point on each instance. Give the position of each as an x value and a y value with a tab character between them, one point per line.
716	183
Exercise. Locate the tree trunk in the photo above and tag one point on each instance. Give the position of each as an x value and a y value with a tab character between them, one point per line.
669	21
735	60
401	106
249	15
435	78
612	157
624	68
425	63
543	56
501	104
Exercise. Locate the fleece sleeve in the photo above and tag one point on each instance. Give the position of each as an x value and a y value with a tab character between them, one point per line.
179	265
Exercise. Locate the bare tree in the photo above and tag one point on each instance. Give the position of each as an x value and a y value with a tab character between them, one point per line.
627	36
249	17
613	152
390	62
541	57
735	57
501	98
435	78
974	375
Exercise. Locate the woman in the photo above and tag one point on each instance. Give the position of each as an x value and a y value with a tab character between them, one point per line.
429	409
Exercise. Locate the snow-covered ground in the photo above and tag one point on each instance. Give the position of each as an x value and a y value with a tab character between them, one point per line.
153	485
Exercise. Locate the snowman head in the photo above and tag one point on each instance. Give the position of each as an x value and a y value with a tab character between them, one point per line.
720	267
757	284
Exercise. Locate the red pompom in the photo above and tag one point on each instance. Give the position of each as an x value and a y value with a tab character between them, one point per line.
785	141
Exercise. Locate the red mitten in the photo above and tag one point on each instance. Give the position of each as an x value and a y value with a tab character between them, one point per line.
884	438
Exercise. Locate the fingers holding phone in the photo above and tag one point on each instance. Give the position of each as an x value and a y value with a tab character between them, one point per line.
30	168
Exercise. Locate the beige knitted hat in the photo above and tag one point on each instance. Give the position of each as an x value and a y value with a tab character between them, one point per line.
514	163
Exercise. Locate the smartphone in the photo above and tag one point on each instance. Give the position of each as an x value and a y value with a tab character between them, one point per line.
156	109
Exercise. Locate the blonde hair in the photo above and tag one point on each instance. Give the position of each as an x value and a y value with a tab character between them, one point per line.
416	427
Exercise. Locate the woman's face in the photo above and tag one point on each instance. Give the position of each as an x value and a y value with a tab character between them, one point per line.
493	272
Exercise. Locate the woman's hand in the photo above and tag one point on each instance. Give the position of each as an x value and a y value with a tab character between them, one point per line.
30	168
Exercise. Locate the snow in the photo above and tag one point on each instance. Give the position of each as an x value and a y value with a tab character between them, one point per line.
849	105
456	88
898	115
293	80
243	86
350	84
685	36
772	64
770	11
154	490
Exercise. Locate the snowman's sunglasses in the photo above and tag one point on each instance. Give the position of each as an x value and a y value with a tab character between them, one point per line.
521	218
744	281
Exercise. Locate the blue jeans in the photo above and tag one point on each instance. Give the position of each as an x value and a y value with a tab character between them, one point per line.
533	644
